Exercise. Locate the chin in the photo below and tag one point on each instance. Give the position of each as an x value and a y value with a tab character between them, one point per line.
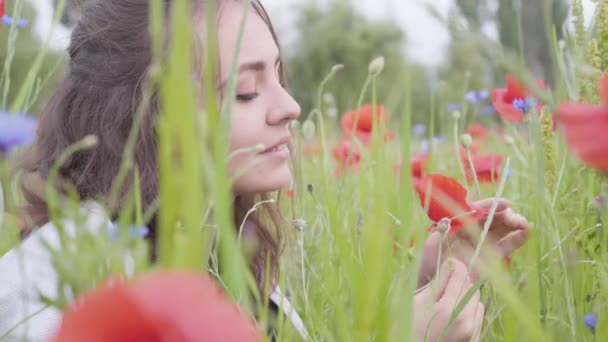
261	181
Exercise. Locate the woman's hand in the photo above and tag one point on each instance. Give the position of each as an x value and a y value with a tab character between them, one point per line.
508	232
434	304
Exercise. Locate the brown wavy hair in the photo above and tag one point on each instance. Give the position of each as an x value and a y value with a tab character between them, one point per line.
110	58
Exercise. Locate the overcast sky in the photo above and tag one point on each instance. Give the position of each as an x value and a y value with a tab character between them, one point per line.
426	37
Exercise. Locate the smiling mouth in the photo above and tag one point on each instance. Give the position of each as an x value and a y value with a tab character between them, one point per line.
278	152
276	149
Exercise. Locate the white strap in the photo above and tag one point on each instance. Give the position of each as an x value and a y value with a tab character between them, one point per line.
284	305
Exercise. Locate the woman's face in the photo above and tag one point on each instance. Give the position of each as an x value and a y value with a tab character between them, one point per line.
262	109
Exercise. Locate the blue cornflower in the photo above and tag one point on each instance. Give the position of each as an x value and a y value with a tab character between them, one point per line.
438	139
418	130
425	146
483	95
591	321
134	231
360	219
524	105
488	110
16	130
7	20
474	97
453	107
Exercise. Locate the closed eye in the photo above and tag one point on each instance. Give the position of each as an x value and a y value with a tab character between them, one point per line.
247	97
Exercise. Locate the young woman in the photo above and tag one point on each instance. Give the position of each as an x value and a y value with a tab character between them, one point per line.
108	69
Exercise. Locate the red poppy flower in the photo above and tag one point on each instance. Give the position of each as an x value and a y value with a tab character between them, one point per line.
444	198
418	164
2	8
477	130
163	306
363	126
487	168
347	154
506	99
585	127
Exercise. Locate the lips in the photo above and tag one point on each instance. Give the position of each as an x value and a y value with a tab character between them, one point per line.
278	146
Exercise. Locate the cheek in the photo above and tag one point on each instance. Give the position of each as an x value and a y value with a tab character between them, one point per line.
246	128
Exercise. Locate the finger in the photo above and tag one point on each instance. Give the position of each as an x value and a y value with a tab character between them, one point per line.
457	285
443	278
512	241
514	221
504	223
487	203
467	321
478	319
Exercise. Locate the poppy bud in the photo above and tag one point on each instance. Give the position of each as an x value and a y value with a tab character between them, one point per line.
443	226
295	126
332	112
466	140
300	224
337	68
308	129
89	141
376	66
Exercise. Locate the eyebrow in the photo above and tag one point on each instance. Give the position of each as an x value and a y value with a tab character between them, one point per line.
256	66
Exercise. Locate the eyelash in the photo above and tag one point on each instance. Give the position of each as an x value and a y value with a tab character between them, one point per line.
247	97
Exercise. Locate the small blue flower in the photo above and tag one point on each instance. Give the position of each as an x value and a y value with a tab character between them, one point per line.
7	20
591	321
453	107
134	231
524	105
360	219
418	130
16	130
471	97
438	139
488	110
483	95
425	146
474	97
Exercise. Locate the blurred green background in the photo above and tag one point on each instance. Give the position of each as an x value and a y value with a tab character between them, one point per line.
317	35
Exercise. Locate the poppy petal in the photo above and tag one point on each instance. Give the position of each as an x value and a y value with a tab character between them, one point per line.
109	313
504	107
584	128
603	88
197	310
515	90
445	197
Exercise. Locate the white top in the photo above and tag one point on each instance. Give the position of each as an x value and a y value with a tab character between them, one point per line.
26	273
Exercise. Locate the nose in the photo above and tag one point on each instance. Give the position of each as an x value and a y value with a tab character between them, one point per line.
284	108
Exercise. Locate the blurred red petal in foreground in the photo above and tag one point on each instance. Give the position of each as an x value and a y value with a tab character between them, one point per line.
161	306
